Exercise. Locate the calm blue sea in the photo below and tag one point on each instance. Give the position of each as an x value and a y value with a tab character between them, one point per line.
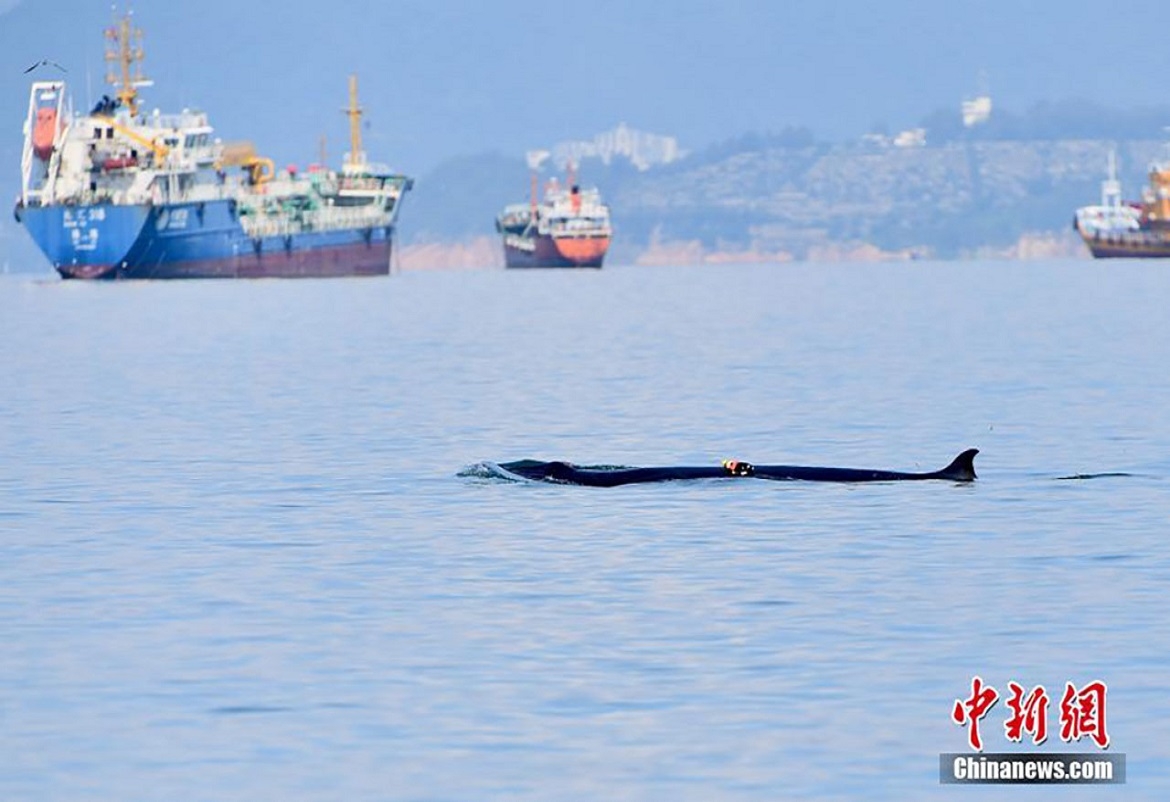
238	559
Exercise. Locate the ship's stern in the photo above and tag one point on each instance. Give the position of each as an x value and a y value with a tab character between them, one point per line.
84	242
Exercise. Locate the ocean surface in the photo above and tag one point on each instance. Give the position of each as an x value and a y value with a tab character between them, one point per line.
252	546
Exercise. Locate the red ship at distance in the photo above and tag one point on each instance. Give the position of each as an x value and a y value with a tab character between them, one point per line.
568	227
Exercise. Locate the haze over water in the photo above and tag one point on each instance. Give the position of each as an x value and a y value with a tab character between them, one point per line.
238	560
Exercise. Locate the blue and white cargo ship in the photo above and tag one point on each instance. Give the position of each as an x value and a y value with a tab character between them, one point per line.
119	193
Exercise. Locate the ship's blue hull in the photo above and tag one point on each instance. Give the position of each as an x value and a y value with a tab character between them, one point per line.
194	240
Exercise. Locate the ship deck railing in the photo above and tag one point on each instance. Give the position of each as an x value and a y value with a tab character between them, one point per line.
329	219
255	221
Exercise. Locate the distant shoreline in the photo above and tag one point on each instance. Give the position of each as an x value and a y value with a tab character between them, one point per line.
485	253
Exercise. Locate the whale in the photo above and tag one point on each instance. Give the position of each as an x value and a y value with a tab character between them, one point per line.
961	469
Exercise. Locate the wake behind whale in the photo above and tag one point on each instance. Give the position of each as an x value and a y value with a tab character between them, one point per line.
961	469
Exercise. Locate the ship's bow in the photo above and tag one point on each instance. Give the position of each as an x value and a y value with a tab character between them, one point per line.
583	251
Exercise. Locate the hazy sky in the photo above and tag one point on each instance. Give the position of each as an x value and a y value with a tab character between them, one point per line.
441	78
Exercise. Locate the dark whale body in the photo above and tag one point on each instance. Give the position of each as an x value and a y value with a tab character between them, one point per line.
962	469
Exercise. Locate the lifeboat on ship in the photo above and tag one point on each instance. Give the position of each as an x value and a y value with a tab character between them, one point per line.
45	133
123	162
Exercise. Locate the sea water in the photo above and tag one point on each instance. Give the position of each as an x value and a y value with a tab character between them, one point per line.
248	549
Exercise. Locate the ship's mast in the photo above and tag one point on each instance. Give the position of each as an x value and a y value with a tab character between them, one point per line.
125	51
535	158
356	156
1111	187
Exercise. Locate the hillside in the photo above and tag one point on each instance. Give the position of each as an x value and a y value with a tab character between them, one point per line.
778	198
795	198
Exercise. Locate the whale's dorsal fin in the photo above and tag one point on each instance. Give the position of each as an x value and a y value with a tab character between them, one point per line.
962	469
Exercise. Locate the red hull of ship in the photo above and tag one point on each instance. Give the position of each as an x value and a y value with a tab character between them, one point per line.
553	252
349	260
1129	245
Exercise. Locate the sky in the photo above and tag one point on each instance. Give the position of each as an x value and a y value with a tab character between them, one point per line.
440	79
443	78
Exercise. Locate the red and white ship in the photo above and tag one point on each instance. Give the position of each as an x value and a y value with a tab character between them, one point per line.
568	227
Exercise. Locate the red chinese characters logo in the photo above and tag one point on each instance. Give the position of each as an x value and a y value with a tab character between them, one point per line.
1082	713
970	710
1029	714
